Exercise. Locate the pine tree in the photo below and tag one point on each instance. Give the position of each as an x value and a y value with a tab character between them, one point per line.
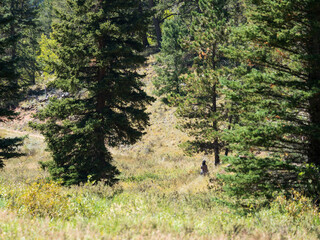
156	23
172	59
24	13
9	86
47	14
277	99
202	109
165	9
99	44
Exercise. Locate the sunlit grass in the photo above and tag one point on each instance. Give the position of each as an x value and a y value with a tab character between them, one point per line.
155	199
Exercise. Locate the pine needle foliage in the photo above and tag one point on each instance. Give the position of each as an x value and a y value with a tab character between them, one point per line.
9	77
24	28
98	54
276	96
172	59
202	111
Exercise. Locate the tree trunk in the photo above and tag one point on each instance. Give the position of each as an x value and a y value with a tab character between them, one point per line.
144	37
100	106
156	23
145	41
313	81
215	127
216	152
99	134
214	109
229	127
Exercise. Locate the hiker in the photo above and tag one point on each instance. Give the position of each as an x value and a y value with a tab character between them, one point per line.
204	168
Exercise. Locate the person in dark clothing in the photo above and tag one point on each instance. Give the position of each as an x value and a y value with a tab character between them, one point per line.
204	168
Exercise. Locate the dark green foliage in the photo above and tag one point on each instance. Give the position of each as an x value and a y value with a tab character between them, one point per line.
47	14
202	109
99	44
28	46
24	27
9	149
172	59
9	86
165	9
8	44
276	99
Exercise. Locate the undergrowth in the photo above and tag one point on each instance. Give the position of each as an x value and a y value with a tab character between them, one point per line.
112	212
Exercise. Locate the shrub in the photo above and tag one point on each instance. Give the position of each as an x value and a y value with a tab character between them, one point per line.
295	206
41	199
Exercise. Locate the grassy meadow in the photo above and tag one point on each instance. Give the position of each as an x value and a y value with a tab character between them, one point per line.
160	195
156	198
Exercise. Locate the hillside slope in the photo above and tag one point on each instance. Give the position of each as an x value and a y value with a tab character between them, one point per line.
161	136
157	152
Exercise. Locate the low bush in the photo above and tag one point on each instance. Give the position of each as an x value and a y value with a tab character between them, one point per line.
296	206
41	199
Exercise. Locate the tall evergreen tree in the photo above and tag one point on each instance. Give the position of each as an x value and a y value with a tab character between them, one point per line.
277	99
9	86
24	13
99	44
202	109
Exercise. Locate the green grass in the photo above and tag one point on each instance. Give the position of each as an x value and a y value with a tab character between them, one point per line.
155	199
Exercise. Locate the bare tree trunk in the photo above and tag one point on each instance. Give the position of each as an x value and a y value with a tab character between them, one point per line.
229	127
215	127
99	134
214	109
145	41
156	23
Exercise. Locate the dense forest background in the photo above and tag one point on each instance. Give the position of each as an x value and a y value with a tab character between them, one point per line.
242	78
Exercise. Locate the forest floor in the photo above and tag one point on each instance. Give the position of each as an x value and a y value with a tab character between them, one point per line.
160	195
